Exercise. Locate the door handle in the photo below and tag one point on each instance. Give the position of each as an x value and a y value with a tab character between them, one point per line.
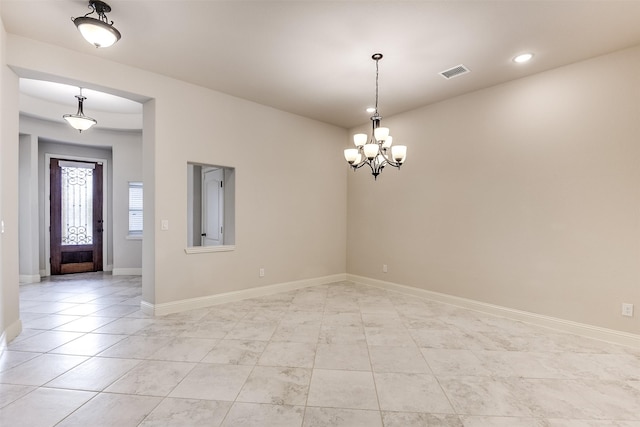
203	235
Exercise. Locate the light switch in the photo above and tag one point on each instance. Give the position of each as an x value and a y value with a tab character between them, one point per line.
2	227
164	224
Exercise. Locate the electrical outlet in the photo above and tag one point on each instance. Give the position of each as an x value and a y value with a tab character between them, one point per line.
627	309
262	272
384	268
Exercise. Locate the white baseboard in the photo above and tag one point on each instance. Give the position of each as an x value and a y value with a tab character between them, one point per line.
148	308
127	271
29	278
582	329
43	273
108	267
211	300
10	333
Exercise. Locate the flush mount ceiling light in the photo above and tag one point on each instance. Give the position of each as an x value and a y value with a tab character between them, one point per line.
79	121
523	57
375	151
97	31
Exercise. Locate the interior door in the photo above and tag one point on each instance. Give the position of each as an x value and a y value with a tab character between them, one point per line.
76	216
212	207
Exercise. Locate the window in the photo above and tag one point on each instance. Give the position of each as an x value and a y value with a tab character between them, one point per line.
77	202
135	208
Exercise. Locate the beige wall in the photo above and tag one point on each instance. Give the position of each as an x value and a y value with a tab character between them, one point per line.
28	210
4	288
290	178
9	322
127	167
523	195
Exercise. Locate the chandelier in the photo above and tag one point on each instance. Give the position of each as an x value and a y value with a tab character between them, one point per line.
99	32
375	151
79	121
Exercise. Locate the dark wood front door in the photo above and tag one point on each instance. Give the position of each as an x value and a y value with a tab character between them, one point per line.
76	216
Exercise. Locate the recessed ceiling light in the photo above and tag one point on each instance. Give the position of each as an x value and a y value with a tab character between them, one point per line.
524	57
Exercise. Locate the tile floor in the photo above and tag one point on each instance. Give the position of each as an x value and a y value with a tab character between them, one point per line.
335	355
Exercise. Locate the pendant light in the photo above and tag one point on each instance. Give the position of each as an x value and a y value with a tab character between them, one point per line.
97	31
375	151
79	121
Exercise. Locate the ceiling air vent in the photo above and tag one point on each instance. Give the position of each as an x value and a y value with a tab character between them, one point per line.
454	72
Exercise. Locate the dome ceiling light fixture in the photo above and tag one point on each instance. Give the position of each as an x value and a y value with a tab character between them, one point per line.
79	121
97	31
377	152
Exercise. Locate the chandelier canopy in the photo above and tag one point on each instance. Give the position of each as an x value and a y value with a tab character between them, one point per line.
79	121
97	31
376	150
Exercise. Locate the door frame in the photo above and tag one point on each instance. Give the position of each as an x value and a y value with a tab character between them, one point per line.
47	207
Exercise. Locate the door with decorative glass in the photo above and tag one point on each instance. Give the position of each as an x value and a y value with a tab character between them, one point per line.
76	216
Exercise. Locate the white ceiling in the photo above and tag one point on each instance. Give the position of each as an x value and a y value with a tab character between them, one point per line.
313	58
66	95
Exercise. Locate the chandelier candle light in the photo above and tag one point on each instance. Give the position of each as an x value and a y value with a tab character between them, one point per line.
99	32
79	121
375	151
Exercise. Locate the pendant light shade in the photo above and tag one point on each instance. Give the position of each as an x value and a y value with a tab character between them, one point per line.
79	121
97	31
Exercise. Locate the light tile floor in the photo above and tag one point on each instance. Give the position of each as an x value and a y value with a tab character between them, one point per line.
334	355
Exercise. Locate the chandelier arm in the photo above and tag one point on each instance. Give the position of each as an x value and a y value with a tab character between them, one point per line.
363	162
389	161
359	165
374	170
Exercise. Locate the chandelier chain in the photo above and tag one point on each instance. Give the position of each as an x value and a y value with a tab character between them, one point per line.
377	60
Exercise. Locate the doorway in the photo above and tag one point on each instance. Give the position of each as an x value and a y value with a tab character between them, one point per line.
76	212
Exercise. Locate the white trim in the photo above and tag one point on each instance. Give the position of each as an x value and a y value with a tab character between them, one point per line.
147	308
582	329
10	333
127	272
29	278
133	237
43	273
211	300
108	267
47	206
70	164
207	249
